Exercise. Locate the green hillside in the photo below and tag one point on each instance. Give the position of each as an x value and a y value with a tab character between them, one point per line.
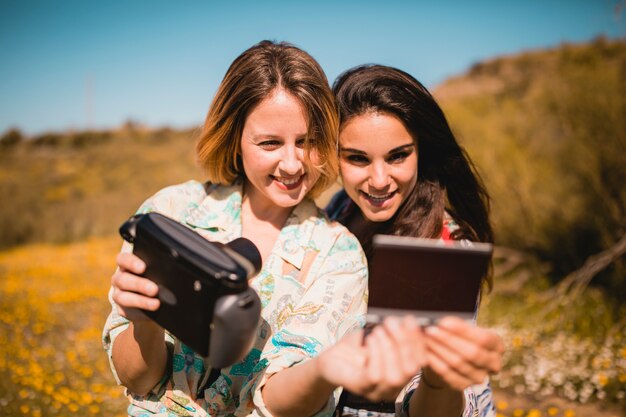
60	188
547	130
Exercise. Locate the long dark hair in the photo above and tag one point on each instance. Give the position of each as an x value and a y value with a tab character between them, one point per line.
447	178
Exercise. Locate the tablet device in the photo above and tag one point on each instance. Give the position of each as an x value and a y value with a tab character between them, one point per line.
428	278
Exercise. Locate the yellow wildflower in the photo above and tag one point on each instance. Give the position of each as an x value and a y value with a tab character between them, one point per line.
86	398
603	379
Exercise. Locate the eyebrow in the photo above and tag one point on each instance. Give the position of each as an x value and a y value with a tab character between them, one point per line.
352	150
394	150
402	148
271	136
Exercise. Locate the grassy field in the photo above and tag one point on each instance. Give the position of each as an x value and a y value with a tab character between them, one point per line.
547	130
53	304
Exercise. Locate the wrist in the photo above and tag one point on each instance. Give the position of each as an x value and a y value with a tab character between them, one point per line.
323	370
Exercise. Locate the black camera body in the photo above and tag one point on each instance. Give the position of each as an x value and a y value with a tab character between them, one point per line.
206	301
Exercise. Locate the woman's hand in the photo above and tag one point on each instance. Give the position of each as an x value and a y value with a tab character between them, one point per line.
379	366
132	292
461	354
139	352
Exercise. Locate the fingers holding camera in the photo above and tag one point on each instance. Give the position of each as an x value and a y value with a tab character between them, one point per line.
343	363
463	354
395	354
481	347
132	292
131	263
451	367
408	337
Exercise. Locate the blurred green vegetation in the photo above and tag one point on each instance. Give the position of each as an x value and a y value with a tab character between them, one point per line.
66	187
547	130
574	351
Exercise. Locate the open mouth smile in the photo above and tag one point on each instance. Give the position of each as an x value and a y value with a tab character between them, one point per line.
288	183
378	200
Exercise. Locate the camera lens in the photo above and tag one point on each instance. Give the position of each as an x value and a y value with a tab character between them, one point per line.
249	251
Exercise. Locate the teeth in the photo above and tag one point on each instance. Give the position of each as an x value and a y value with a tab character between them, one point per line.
289	181
379	197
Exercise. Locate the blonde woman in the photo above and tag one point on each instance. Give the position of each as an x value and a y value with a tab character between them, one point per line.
268	146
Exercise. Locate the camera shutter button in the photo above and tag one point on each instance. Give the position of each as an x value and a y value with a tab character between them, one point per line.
245	300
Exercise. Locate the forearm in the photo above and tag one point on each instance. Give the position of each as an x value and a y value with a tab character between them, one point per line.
140	356
297	391
435	398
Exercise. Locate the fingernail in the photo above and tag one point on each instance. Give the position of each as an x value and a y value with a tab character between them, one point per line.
152	287
432	330
138	265
393	324
411	321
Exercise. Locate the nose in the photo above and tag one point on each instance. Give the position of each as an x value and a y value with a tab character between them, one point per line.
379	176
291	160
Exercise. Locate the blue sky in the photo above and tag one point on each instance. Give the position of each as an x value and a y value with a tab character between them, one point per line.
81	64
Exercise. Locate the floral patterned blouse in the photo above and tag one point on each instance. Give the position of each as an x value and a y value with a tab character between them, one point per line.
313	290
478	398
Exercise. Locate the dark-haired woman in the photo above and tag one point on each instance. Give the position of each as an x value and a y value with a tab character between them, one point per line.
404	173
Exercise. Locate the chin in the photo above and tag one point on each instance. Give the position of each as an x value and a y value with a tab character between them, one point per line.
286	200
378	216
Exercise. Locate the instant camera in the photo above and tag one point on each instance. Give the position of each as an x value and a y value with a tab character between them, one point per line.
203	286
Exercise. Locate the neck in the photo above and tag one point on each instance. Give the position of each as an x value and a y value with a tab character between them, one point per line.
364	229
262	209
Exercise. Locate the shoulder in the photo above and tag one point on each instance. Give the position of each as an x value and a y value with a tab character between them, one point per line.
449	226
325	231
175	198
189	190
339	206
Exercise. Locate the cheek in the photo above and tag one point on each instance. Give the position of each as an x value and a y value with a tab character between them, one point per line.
351	175
407	176
256	160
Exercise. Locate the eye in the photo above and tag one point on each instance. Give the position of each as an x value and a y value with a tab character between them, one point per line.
356	159
300	142
398	156
269	144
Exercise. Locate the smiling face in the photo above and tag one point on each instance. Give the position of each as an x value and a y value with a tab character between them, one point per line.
273	152
378	161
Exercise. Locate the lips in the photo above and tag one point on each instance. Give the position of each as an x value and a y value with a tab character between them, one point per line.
378	199
289	183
